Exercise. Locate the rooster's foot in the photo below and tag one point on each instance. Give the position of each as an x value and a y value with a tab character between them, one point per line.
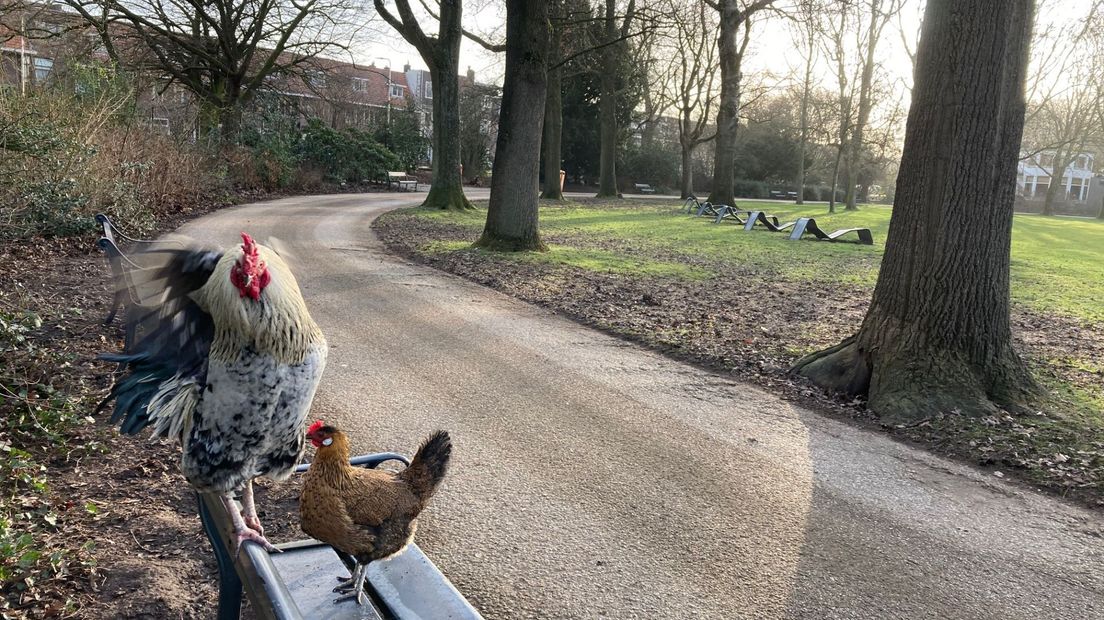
254	523
249	534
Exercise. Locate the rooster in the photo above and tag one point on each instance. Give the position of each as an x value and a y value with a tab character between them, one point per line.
228	366
369	514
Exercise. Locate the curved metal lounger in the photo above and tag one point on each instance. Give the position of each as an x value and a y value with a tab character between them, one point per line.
770	222
809	225
727	212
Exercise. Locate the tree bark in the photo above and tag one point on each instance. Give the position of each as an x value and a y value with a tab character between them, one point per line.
553	112
937	337
512	217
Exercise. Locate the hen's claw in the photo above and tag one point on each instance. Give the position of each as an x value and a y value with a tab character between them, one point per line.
359	595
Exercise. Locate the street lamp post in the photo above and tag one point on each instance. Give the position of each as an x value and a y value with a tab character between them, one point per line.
388	60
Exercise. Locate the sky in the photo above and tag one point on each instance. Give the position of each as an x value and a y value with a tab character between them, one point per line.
773	49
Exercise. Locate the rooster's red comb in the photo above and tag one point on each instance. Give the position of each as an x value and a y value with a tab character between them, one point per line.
248	245
313	427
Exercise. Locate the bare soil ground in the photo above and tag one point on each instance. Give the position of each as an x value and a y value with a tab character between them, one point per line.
754	327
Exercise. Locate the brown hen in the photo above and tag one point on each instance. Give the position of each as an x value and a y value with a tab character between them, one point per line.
369	514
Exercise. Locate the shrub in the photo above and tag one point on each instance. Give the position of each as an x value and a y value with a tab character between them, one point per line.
746	188
350	156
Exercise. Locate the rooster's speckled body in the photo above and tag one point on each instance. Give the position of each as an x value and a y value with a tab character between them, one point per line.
228	366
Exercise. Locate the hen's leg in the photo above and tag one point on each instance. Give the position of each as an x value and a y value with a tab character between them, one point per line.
346	585
249	509
241	530
358	586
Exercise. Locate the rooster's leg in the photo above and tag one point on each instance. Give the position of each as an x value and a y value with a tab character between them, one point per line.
241	530
249	509
357	591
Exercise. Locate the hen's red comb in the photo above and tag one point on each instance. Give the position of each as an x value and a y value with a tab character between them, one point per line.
313	427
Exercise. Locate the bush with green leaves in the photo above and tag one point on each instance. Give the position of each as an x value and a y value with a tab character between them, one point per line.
657	167
349	156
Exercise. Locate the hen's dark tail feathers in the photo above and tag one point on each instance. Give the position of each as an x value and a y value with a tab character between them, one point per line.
429	465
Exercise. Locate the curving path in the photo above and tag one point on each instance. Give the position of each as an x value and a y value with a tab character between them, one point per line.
593	478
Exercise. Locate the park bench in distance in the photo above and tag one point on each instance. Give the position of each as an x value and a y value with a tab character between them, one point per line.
402	180
809	225
644	188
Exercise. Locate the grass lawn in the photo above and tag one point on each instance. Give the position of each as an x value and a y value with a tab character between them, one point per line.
752	302
1057	263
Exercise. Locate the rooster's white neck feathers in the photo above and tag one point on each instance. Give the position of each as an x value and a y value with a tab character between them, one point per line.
278	324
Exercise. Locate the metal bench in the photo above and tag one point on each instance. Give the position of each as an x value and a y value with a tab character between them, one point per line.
298	583
404	182
644	188
808	225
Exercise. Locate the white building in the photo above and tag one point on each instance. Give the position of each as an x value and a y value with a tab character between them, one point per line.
1034	176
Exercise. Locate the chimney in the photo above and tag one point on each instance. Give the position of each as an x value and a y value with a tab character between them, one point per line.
471	75
406	68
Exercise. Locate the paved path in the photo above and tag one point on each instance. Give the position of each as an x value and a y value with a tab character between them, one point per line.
593	478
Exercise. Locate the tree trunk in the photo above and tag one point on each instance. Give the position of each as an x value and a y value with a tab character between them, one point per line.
855	152
687	170
446	190
553	114
607	109
805	94
1057	185
937	337
728	114
512	217
835	180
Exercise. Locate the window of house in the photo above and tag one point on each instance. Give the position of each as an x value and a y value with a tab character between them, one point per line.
360	84
160	125
429	90
396	90
42	68
316	79
1076	190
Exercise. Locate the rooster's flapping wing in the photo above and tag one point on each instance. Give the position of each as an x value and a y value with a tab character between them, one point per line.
166	369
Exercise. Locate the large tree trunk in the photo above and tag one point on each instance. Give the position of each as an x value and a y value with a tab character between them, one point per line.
728	114
937	337
446	190
512	217
553	113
